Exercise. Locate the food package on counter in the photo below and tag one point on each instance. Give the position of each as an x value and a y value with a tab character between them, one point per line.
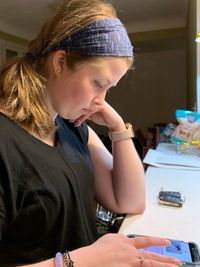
187	132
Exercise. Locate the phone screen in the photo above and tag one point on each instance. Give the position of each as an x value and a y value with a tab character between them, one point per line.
184	251
178	249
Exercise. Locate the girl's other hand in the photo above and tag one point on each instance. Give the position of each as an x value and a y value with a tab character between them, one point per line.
117	250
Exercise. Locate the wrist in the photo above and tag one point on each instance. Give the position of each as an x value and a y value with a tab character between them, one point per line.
118	127
84	257
126	133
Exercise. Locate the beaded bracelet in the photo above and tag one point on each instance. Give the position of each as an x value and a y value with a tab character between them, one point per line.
67	260
59	260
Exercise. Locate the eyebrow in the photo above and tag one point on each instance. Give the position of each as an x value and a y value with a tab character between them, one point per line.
108	81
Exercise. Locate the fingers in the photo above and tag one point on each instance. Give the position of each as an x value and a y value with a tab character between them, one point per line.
80	120
153	263
160	258
142	242
140	262
148	241
143	262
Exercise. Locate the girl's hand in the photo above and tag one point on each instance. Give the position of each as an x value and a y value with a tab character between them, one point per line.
105	115
116	250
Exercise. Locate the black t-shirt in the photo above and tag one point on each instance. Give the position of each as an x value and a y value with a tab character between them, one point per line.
46	193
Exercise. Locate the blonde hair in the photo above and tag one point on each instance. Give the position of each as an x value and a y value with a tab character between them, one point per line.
22	85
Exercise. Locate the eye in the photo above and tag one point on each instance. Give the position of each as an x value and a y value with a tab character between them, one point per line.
98	85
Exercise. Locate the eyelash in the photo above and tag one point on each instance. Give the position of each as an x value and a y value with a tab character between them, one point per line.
98	85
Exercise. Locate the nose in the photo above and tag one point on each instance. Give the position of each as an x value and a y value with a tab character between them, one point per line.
99	100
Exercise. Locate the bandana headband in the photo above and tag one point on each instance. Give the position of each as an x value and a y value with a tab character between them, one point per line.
106	37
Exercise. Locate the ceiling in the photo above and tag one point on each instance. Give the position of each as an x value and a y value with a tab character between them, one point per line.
24	18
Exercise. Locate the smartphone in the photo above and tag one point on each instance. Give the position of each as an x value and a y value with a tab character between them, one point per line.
187	252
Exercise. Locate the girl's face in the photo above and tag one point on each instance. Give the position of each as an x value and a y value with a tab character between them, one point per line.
74	93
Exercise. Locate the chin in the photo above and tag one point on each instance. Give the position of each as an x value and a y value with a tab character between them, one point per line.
64	116
70	116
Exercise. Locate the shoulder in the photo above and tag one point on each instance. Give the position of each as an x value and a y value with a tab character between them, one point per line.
13	140
8	129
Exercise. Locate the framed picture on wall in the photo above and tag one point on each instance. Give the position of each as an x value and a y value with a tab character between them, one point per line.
10	53
9	49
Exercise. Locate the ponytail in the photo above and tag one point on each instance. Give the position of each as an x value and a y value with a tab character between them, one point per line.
22	91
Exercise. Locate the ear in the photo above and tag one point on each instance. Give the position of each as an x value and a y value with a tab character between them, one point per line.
59	58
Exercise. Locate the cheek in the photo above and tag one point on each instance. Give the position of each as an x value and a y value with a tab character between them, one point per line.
82	91
77	95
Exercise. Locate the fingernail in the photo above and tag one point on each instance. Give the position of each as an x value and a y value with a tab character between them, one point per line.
77	123
179	263
168	241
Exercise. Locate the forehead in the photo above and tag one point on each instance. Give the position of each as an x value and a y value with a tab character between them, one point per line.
113	67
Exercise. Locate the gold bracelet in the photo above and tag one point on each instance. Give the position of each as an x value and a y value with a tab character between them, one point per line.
118	136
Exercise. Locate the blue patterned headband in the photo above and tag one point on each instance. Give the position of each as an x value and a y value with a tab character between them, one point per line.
105	37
